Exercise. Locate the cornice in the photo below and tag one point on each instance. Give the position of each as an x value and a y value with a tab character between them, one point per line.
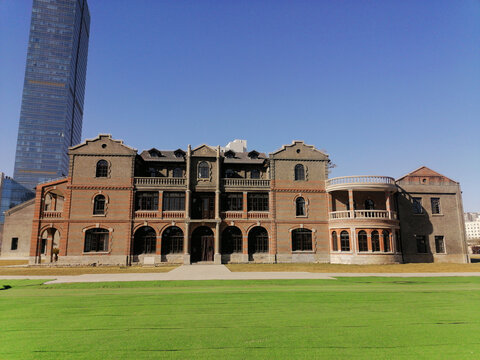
98	187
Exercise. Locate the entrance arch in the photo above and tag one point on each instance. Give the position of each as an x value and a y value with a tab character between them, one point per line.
144	241
202	244
50	240
258	240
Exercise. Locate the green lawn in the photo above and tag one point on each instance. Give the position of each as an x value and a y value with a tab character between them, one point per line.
354	318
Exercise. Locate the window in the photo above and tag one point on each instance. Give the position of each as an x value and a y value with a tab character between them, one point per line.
257	240
230	154
300	206
257	201
344	241
232	240
145	241
102	169
99	205
375	241
421	244
203	170
301	240
177	173
255	174
146	200
386	241
43	246
439	245
233	202
299	172
172	240
229	173
435	205
369	204
173	201
96	240
362	241
417	205
14	245
253	154
334	241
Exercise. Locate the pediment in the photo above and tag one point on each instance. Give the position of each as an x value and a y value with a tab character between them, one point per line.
204	150
299	150
103	144
425	172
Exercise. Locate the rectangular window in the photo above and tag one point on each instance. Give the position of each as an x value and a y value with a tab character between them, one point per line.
173	201
257	201
233	202
146	201
435	205
439	245
14	245
417	205
421	244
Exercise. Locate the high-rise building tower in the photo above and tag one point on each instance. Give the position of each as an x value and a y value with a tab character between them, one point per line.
53	91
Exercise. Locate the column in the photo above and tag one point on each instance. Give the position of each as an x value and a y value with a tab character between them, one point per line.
188	193
388	204
351	203
217	187
160	204
217	258
245	205
186	244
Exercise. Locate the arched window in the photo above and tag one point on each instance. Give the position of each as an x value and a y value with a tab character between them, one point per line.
369	204
172	240
344	241
299	172
232	240
96	240
300	206
102	168
362	241
177	173
203	170
257	240
334	241
145	241
386	241
99	205
255	174
375	241
301	240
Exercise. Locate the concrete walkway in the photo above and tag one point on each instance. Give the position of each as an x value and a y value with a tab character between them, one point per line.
216	272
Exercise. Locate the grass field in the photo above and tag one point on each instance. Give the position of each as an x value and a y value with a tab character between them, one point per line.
79	270
354	318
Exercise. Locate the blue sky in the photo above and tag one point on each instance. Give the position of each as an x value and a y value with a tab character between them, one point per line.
383	86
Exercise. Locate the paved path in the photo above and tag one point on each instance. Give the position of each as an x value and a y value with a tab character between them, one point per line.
216	272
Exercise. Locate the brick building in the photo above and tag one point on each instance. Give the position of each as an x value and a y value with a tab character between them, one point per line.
207	204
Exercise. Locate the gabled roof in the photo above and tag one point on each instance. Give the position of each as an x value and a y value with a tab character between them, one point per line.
424	171
103	144
204	150
163	155
244	158
298	144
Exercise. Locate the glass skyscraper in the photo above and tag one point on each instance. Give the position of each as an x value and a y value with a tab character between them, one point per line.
53	92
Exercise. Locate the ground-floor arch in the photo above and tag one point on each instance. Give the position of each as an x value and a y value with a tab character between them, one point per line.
144	241
258	240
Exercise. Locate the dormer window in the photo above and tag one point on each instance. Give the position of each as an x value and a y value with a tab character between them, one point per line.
230	154
179	153
154	153
253	154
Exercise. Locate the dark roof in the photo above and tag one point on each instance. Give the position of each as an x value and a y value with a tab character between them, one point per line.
244	158
163	155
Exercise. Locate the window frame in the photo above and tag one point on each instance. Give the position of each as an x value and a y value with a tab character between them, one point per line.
302	240
386	241
442	246
345	241
299	172
95	242
141	200
436	208
14	244
334	241
258	201
233	201
173	201
203	170
362	239
300	207
97	209
375	241
417	206
422	244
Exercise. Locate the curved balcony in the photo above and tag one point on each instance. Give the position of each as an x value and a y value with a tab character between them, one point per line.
363	214
362	182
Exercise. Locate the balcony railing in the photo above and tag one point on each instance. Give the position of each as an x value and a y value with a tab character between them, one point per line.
361	180
250	215
146	214
153	214
248	183
160	181
51	214
258	214
363	214
173	214
232	214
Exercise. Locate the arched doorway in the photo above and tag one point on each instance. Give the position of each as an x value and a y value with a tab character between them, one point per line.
202	244
257	240
49	245
144	241
232	240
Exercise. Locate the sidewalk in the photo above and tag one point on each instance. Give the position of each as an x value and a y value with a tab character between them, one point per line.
218	272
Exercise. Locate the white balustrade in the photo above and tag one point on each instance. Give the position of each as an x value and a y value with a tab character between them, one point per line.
160	181
363	214
360	180
246	182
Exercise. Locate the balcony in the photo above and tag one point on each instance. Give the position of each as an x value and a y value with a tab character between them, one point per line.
51	214
366	182
153	214
232	215
159	182
246	183
363	214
